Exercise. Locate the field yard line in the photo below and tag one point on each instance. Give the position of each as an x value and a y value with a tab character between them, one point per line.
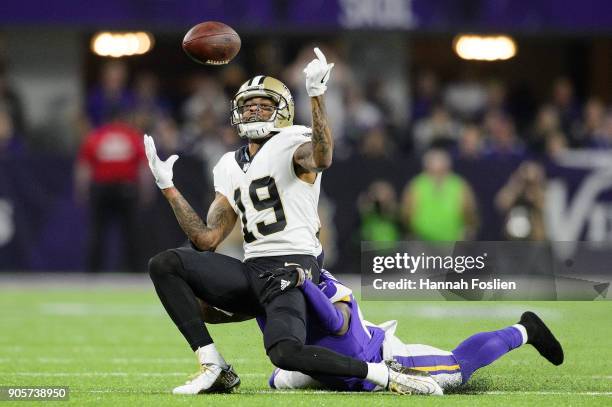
63	360
317	392
492	393
120	374
481	311
186	360
161	374
172	360
545	393
87	309
560	376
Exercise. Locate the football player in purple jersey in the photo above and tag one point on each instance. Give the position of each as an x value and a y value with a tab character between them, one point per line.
339	325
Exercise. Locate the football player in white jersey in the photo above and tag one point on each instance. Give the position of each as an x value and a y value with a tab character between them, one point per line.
272	185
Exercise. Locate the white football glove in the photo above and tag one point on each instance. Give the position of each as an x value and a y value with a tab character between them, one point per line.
317	74
162	170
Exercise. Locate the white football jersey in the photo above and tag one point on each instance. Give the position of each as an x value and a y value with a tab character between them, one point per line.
277	210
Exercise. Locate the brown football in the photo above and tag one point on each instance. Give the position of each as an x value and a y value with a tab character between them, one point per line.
211	43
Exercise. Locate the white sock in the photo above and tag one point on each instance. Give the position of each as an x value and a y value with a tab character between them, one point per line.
378	373
522	330
210	354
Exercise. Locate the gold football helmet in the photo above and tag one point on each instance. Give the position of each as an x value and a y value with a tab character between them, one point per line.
268	87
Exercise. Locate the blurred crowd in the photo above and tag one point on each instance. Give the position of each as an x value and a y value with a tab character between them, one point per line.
471	118
447	121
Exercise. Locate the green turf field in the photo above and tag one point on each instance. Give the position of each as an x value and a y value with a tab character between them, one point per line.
116	346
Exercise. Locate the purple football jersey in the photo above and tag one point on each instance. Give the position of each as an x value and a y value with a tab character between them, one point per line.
360	341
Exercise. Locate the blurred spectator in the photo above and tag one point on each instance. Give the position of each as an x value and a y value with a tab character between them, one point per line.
466	98
232	76
426	95
602	138
206	113
268	58
148	103
214	145
11	102
438	204
521	201
205	125
471	145
111	95
208	145
337	87
556	144
546	122
328	235
64	127
378	213
593	116
437	130
496	94
208	140
110	173
567	107
207	107
167	137
378	92
501	137
10	144
361	114
376	144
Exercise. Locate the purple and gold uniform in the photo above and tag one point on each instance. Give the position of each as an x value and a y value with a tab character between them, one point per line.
361	341
372	343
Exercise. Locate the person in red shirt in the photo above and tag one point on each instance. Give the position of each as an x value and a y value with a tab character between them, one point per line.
110	172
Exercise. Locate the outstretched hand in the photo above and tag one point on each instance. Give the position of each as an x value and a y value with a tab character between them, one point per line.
162	170
317	73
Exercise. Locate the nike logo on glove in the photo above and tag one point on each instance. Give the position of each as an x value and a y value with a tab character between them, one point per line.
324	78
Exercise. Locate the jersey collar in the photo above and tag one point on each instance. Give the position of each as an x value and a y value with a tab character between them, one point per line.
243	158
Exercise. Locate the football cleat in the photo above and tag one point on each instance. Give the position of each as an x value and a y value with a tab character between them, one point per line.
541	338
404	380
210	379
228	380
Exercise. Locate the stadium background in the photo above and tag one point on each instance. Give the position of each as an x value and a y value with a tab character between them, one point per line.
398	89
